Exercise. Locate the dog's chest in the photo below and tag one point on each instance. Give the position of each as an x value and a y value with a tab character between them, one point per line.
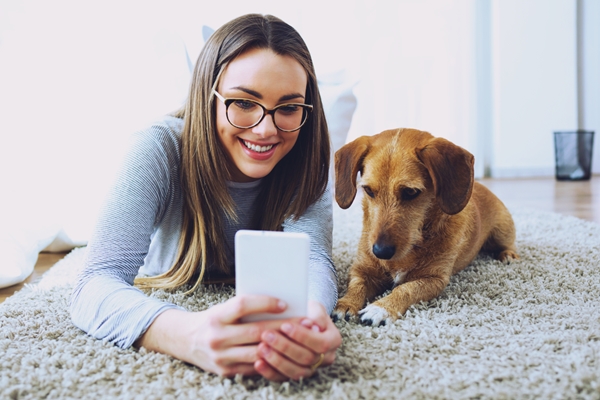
399	277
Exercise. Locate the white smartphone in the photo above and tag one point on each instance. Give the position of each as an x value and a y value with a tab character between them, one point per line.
274	264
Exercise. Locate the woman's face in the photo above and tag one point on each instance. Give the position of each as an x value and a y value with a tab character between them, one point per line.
270	79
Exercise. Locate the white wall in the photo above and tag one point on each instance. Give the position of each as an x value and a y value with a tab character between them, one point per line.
589	99
495	76
417	69
534	82
413	61
77	78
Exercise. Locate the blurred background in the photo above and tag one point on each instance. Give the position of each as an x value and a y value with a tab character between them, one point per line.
495	76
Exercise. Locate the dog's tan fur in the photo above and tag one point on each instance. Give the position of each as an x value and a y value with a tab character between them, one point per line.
421	206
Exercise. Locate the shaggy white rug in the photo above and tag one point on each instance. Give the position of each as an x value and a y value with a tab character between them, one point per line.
527	330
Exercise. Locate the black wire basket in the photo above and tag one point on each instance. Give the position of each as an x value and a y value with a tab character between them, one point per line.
573	151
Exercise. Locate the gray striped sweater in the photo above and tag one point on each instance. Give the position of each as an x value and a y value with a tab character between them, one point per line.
138	232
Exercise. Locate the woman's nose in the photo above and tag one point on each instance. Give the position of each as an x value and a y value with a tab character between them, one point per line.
266	128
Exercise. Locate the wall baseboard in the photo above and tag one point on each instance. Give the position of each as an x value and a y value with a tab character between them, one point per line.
527	172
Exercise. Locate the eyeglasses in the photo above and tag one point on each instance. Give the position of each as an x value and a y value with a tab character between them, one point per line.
246	113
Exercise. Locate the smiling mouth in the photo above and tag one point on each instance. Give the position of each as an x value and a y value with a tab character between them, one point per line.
256	148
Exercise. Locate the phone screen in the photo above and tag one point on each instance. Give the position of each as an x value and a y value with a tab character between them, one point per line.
275	264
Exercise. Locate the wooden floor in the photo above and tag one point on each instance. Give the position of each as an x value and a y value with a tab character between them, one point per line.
579	198
44	262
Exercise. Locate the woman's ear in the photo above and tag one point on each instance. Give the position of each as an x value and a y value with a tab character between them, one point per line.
451	170
348	163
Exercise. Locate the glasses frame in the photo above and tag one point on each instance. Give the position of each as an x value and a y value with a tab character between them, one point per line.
307	108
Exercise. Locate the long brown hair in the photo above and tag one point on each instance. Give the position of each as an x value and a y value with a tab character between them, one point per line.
296	182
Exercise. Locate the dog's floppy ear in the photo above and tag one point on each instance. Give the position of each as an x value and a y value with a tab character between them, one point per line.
348	162
452	173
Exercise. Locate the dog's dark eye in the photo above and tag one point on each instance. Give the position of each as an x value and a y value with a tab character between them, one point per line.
410	193
368	191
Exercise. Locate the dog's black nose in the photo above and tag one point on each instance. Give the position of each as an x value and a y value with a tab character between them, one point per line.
383	252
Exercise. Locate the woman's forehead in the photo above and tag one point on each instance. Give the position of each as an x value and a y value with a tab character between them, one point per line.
264	71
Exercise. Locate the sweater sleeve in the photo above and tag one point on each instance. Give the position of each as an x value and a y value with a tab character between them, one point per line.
317	222
104	302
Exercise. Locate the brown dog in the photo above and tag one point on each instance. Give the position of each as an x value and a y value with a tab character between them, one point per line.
424	220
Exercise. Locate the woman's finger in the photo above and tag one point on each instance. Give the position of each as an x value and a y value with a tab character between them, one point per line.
318	315
240	306
326	342
243	333
289	348
236	355
282	364
268	372
229	331
232	370
317	342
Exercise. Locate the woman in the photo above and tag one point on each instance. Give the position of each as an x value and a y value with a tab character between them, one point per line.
249	150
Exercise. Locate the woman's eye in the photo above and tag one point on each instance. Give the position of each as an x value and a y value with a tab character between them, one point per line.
410	193
289	109
368	191
244	105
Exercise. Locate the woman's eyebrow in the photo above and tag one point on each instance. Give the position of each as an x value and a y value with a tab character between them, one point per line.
249	91
291	96
256	94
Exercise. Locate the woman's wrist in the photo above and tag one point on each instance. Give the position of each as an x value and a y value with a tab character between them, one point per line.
169	334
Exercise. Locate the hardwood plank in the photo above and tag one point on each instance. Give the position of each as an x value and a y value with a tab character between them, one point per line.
580	199
44	262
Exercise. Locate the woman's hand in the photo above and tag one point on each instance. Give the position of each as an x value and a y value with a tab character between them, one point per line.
297	349
214	339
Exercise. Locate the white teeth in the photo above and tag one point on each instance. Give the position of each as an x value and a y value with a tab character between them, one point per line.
258	149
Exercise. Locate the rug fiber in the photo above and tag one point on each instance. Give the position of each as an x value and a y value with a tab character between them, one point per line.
530	329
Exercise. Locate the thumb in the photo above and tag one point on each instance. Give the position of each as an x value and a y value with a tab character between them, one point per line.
240	306
317	315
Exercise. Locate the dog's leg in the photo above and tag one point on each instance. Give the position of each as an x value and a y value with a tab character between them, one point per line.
365	283
501	241
402	297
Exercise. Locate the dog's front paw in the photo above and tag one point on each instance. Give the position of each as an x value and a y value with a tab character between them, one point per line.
507	256
345	309
373	315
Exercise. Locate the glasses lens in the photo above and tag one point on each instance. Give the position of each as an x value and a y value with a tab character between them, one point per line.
244	113
290	117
